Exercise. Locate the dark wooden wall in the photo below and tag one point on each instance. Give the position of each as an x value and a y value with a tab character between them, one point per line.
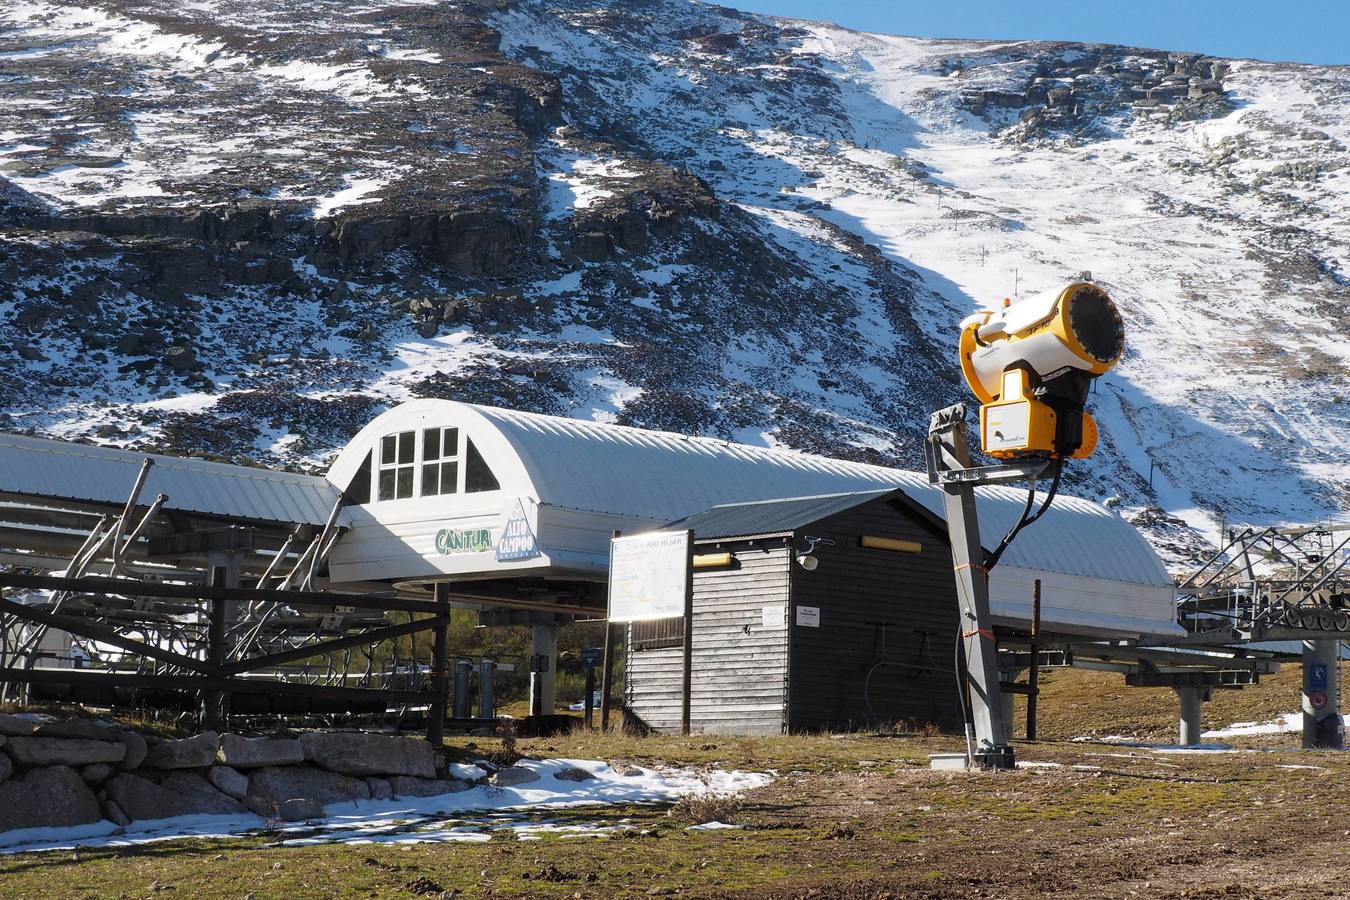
739	681
888	613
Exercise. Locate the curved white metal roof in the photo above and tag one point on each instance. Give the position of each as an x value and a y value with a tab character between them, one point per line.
662	476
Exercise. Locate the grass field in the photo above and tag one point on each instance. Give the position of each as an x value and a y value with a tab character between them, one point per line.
848	816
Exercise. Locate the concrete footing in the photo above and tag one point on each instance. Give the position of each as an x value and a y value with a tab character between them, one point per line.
544	643
1192	703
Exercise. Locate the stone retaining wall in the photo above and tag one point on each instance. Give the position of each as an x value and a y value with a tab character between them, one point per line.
79	771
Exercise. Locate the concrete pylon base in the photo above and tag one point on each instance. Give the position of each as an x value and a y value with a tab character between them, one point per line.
544	642
1192	703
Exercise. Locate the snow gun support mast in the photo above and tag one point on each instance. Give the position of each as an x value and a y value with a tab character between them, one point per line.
1031	365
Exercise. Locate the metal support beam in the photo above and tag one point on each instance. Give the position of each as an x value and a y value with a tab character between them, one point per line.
487	699
607	672
463	705
1034	678
949	450
440	676
215	709
371	636
1009	701
1195	678
124	587
687	673
89	677
100	633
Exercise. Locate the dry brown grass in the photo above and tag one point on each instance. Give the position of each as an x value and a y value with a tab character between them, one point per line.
697	809
1080	703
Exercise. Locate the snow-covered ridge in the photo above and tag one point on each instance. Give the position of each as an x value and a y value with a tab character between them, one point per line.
166	143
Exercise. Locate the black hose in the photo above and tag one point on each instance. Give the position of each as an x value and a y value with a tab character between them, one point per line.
1050	497
968	726
1024	519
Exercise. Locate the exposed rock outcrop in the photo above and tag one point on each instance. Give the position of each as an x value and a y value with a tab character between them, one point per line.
353	753
228	780
196	752
179	794
300	809
277	785
55	751
15	725
513	776
407	786
49	797
572	773
253	753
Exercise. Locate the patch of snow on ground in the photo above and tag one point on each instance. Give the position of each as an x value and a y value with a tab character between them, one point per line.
1286	723
423	819
429	56
357	191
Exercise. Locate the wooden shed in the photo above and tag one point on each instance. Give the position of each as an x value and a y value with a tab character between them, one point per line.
829	612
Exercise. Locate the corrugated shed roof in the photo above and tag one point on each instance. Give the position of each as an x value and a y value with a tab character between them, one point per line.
64	471
763	517
663	477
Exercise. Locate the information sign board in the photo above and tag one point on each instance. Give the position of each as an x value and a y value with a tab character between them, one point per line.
648	576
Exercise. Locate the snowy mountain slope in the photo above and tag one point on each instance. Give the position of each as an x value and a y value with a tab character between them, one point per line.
1222	236
334	218
242	228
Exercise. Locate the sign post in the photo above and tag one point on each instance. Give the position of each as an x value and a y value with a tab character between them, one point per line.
649	575
607	669
687	700
590	658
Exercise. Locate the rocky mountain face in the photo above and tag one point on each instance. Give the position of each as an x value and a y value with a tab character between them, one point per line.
241	229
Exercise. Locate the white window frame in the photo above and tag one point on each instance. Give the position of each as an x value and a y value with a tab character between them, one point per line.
446	456
397	467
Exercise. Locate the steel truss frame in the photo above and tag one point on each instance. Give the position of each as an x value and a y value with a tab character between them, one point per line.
1271	584
198	659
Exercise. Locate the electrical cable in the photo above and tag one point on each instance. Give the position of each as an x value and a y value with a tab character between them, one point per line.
959	662
1024	519
1049	497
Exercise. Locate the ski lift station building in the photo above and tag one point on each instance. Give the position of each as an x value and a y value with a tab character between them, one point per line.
516	511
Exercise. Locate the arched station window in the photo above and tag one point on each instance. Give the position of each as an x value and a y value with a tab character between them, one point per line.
397	465
440	461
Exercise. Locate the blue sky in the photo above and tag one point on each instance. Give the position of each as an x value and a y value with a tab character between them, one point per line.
1314	31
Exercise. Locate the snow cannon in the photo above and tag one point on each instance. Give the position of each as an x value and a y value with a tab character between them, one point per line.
1031	364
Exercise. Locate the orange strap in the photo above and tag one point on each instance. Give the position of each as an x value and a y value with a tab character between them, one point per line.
987	632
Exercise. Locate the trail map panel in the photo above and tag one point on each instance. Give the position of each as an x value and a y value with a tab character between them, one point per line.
648	576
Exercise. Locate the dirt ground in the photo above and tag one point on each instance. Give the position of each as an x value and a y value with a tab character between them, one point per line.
1106	821
1109	822
848	816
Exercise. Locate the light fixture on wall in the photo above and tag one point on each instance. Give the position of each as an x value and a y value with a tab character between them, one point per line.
806	558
